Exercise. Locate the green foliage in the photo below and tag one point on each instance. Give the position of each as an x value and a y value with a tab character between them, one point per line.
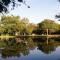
48	24
5	3
13	24
30	28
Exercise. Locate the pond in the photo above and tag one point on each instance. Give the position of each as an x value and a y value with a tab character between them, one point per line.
30	48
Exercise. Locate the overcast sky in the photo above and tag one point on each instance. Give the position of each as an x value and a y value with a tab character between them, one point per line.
38	11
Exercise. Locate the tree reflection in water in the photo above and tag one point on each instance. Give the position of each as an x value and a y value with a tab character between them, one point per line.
53	43
16	47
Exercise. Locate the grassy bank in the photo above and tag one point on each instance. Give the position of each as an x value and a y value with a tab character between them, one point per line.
7	36
39	36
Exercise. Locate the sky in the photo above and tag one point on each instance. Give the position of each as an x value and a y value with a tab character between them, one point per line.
38	11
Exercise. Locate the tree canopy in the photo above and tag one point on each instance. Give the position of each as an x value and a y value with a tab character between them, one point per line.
52	27
4	4
14	24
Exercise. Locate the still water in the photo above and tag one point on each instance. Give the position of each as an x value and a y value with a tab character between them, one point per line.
30	48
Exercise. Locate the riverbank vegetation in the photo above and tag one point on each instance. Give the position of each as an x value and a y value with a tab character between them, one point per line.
14	25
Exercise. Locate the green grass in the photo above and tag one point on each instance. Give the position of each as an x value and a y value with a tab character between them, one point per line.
5	36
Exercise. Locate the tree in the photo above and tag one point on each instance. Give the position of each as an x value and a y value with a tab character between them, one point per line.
5	3
48	24
31	27
23	26
10	23
14	25
1	30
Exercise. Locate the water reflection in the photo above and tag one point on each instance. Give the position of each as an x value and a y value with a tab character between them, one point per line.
47	47
17	47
